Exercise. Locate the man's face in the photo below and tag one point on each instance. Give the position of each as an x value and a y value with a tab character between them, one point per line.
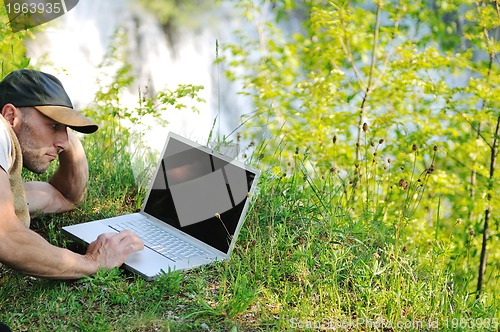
41	140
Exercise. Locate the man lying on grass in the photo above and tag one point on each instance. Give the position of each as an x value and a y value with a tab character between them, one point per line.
35	129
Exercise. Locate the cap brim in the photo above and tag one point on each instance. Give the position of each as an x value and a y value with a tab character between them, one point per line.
69	117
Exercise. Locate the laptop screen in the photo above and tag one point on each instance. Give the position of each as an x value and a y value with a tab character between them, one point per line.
199	193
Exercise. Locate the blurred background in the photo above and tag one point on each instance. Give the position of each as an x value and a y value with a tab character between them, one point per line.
166	43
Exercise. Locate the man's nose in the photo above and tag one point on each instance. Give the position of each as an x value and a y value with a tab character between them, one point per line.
62	141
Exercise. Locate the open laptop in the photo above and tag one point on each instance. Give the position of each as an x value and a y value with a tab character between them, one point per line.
193	211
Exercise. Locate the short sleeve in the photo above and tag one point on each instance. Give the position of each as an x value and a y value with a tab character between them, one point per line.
5	148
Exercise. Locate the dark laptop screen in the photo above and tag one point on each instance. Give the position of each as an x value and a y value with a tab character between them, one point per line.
200	194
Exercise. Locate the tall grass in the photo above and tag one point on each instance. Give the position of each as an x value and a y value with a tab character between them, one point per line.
313	254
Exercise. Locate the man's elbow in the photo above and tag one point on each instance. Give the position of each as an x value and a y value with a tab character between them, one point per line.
65	203
69	204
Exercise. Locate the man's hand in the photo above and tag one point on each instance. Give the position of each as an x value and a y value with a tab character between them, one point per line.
110	249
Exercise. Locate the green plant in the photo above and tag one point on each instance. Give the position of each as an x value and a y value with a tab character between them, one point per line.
117	144
414	73
353	230
12	46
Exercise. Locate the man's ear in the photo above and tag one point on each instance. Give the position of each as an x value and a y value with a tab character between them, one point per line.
9	112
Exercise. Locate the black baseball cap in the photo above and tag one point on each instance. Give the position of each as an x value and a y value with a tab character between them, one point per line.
32	88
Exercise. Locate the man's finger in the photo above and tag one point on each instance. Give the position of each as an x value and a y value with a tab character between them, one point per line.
135	247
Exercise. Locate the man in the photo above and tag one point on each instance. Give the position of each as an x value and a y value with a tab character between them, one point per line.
35	129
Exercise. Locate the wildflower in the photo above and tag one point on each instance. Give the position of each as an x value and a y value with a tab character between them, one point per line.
380	141
471	232
431	169
334	139
403	184
365	127
389	160
435	147
414	147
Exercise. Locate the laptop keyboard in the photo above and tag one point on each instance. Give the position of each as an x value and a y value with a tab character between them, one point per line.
159	240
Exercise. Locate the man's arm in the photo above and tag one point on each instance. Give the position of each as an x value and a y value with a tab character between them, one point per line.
28	252
66	187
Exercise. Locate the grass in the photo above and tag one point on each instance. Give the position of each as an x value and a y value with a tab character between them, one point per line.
307	259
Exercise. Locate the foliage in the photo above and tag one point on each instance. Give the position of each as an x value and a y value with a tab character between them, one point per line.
401	76
177	16
174	12
119	138
11	46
